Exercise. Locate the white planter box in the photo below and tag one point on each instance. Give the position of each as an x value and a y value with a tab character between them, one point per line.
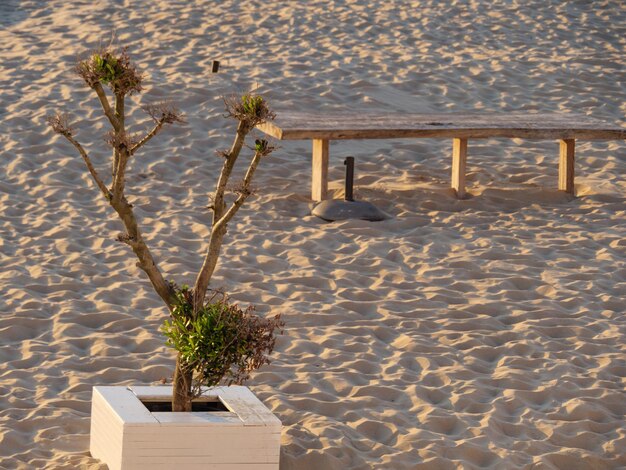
126	436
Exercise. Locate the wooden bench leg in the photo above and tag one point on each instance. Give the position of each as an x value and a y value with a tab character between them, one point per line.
566	166
459	157
319	182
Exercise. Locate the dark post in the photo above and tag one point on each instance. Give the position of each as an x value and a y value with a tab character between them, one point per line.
215	66
349	162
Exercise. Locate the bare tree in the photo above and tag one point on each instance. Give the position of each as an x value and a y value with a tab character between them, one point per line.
188	307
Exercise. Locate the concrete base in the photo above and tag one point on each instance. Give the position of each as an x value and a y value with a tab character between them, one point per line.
336	209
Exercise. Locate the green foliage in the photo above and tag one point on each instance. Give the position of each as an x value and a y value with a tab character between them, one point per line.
249	109
223	343
252	105
110	68
106	66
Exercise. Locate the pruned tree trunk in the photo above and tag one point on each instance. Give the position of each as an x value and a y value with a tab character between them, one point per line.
182	390
104	67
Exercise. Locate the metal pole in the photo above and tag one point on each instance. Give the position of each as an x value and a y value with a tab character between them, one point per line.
349	162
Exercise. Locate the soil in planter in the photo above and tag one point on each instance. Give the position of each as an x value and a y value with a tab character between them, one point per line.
160	406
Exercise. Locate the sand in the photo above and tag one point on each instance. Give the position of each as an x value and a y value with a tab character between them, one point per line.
486	333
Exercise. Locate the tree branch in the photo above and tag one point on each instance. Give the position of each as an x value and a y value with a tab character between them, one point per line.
119	110
148	136
146	262
219	205
219	208
121	149
244	193
162	113
106	106
116	158
218	232
94	174
133	236
120	173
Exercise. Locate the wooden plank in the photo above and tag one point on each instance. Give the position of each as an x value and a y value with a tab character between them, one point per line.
125	404
243	445
169	464
198	418
248	407
152	392
566	165
300	126
459	158
271	129
193	436
203	444
319	181
106	433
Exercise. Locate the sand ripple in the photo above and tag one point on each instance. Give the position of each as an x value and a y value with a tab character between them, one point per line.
486	333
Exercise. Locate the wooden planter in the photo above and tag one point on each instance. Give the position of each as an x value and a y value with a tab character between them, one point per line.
126	436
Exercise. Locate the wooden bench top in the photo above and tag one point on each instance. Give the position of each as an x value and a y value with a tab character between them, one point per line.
300	126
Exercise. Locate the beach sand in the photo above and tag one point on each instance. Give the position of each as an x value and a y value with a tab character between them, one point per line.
485	333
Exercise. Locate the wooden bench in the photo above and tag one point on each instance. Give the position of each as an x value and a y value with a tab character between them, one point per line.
322	128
